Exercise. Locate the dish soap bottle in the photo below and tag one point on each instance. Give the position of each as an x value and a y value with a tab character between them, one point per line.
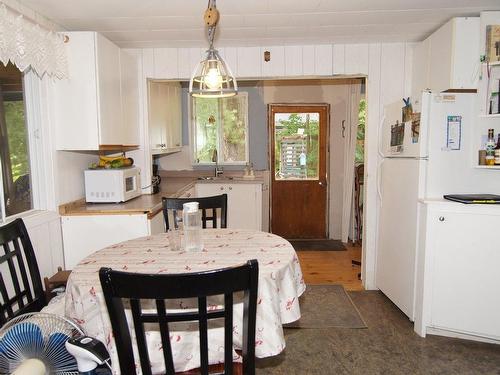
191	217
490	147
497	151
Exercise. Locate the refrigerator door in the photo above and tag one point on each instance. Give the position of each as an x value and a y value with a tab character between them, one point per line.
398	227
408	139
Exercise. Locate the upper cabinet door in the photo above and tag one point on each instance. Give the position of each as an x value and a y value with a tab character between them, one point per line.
129	87
108	91
74	109
97	105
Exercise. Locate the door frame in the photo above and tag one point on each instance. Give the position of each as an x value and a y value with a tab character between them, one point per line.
327	156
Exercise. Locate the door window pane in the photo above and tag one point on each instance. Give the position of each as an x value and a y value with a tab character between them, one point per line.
296	146
222	125
14	148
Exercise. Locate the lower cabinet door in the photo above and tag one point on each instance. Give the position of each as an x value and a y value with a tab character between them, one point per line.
466	273
244	203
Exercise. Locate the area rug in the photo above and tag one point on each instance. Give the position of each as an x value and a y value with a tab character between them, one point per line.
322	245
327	306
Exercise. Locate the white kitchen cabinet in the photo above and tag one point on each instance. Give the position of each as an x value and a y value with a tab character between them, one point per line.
459	271
244	202
129	88
165	116
448	59
85	234
87	106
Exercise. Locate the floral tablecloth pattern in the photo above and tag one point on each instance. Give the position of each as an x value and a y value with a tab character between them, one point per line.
280	285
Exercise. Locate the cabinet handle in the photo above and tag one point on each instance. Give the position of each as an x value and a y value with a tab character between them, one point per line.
441	218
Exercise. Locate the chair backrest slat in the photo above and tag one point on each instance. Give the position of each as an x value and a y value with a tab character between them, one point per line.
165	336
228	333
224	282
205	203
24	275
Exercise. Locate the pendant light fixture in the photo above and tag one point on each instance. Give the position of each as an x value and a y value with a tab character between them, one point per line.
212	78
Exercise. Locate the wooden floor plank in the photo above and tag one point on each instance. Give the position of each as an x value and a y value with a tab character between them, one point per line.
331	267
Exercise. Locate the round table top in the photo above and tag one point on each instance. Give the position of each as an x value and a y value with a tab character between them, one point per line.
280	283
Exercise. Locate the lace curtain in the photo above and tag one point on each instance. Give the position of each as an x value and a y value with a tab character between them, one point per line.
27	44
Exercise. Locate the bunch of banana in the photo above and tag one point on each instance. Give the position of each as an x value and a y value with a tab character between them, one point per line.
113	162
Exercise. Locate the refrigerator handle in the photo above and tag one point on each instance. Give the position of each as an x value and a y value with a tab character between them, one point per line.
379	180
380	137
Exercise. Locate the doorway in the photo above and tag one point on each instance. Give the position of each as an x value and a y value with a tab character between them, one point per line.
299	194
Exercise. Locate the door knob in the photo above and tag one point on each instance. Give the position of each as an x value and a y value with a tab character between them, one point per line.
321	183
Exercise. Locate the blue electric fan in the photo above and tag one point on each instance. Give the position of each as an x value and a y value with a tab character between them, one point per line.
40	344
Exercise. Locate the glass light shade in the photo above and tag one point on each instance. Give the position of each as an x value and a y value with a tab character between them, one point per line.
212	78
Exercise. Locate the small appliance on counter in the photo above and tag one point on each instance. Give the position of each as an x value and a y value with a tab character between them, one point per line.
155	180
112	185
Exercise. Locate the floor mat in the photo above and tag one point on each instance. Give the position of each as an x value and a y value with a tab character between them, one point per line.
327	306
327	245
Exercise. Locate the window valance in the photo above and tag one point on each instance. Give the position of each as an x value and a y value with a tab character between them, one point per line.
29	45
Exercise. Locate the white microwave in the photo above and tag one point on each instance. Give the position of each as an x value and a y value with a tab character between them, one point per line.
112	185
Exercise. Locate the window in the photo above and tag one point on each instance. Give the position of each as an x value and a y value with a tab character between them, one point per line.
15	178
220	125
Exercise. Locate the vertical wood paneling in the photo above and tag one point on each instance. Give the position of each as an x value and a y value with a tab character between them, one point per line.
184	66
308	60
195	56
148	65
338	59
356	59
276	66
165	63
370	210
293	60
249	62
408	65
392	73
230	55
323	57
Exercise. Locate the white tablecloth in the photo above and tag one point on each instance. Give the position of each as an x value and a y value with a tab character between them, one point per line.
280	285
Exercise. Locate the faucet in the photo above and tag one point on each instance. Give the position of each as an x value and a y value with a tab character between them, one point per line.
218	170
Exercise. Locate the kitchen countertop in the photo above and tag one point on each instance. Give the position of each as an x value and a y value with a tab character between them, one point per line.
149	204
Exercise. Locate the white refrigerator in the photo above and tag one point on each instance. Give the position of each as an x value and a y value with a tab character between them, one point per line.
419	162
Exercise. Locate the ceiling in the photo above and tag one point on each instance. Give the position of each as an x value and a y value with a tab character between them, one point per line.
179	23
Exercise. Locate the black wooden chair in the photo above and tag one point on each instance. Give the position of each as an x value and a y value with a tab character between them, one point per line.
135	287
18	269
205	203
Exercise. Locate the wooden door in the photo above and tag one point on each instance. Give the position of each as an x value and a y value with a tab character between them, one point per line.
298	135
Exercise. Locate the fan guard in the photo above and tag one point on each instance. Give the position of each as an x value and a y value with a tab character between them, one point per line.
38	336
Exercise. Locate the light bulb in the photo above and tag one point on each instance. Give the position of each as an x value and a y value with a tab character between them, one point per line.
213	79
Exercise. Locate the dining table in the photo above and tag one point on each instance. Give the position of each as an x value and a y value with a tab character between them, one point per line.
280	285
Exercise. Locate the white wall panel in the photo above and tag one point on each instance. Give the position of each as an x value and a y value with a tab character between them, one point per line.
230	55
275	67
392	73
184	66
308	58
293	61
249	62
356	59
323	57
370	210
165	63
408	65
338	59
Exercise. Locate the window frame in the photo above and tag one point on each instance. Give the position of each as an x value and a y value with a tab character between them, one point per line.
192	137
34	89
